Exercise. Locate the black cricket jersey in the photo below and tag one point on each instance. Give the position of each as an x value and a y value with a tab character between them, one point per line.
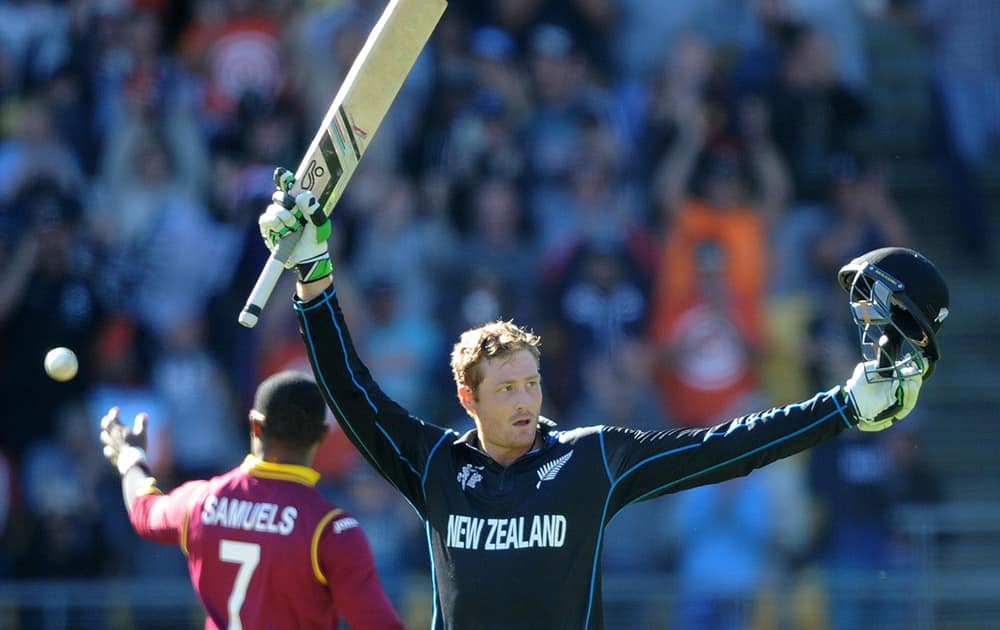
519	547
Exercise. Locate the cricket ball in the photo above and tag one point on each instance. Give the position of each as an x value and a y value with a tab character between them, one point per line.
61	364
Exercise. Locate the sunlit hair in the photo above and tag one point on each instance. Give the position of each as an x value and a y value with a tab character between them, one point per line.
489	341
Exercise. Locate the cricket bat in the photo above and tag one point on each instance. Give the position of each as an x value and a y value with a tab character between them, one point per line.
354	116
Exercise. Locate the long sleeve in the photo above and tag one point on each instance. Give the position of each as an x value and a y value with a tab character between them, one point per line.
163	518
645	464
349	567
395	443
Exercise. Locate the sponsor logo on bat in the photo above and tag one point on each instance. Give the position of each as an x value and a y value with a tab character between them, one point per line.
313	172
352	129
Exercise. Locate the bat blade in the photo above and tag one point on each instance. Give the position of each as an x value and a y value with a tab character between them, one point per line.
357	110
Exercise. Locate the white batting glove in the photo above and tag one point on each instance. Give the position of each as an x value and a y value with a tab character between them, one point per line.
296	231
879	404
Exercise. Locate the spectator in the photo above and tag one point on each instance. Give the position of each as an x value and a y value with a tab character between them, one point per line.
152	173
566	102
851	481
616	388
598	305
820	114
61	483
198	400
234	51
727	552
498	241
811	243
964	37
48	285
400	346
35	36
707	345
397	244
686	77
708	192
864	215
34	150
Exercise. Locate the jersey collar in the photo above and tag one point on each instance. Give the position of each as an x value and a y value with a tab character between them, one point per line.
545	428
471	437
257	467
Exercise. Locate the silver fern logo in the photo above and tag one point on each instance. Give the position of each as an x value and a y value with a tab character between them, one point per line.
549	471
469	476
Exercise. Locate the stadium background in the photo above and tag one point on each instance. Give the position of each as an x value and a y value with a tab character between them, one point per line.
580	166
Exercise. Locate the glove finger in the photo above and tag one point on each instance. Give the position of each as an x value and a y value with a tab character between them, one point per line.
275	218
267	222
283	199
283	178
288	219
140	423
109	418
307	203
110	452
138	437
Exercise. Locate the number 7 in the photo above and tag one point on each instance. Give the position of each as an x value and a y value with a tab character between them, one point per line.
247	555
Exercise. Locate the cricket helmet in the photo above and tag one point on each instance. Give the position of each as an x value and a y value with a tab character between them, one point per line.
899	300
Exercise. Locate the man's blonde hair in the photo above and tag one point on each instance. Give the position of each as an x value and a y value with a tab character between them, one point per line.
489	341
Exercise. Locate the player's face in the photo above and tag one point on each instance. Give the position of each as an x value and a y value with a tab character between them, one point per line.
507	406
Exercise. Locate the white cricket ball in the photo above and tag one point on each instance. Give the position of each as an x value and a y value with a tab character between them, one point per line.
61	364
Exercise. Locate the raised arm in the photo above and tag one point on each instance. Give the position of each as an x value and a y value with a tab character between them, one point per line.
154	515
396	444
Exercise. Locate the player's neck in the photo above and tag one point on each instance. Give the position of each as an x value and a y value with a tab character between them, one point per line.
506	457
280	454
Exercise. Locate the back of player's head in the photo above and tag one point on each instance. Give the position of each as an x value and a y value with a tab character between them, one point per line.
489	341
292	409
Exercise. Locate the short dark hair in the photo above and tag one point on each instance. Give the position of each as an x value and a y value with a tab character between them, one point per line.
293	409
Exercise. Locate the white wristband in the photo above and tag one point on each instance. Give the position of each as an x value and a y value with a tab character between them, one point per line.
129	457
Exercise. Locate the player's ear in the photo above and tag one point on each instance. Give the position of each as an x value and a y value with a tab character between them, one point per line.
256	422
466	396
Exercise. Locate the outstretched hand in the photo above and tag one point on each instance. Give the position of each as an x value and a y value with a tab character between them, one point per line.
124	447
879	404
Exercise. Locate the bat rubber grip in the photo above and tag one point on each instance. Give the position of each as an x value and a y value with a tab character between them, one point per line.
261	292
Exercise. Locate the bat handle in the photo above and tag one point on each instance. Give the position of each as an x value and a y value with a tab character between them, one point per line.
266	281
265	284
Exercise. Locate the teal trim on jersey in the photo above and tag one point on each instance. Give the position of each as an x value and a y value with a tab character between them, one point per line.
615	483
326	296
595	566
430	456
436	608
321	381
604	454
839	410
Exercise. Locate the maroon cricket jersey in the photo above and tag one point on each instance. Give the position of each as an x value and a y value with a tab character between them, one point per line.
266	550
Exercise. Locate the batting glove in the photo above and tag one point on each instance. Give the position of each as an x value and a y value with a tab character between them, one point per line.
879	404
296	230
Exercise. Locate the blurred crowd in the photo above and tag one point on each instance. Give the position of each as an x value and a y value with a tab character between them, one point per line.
663	190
